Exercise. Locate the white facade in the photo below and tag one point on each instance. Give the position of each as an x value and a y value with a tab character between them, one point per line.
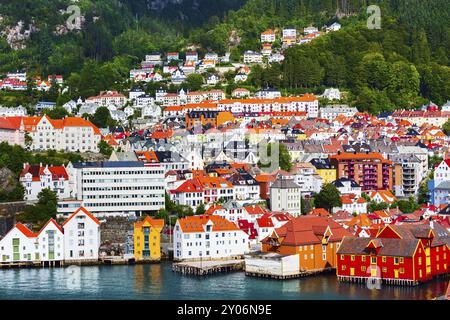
273	264
289	32
442	172
285	195
332	94
13	112
330	112
133	94
252	57
53	178
268	36
107	98
208	238
51	242
69	134
119	187
22	245
81	236
268	94
306	103
19	245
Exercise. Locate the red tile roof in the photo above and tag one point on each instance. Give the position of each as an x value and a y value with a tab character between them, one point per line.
27	232
196	223
305	230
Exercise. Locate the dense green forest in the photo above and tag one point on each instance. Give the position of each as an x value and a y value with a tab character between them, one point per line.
403	64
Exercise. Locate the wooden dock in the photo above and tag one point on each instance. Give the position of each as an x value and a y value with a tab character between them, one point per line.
203	268
301	274
395	282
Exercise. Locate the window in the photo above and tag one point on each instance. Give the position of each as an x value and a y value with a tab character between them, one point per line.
363	258
373	259
396	260
342	257
363	268
384	259
352	258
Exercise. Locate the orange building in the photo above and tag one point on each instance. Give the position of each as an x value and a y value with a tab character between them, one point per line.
315	239
370	170
211	118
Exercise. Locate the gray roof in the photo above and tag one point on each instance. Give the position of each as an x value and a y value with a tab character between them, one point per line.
443	185
284	184
126	156
390	246
108	164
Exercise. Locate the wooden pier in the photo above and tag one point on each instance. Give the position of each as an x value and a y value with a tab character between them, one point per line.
203	268
364	280
301	274
389	281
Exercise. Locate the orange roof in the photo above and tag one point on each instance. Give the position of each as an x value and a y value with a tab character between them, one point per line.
359	156
81	209
192	185
155	223
255	210
321	212
158	134
214	182
308	229
381	214
174	108
361	220
265	178
303	98
27	232
149	156
385	195
31	122
269	31
213	208
196	224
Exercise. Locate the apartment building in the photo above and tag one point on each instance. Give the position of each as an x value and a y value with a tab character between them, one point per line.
69	134
108	98
119	187
370	170
81	236
208	238
285	195
411	174
34	178
306	103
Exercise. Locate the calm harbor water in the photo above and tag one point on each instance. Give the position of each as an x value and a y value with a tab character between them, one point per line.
158	281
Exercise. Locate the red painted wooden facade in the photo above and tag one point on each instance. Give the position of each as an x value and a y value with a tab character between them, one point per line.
415	253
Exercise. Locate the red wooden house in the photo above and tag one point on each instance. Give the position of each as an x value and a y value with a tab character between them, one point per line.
399	254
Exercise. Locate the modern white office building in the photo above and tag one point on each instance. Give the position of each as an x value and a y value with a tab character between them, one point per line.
118	187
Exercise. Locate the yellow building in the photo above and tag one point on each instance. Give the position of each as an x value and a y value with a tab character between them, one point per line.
147	239
325	169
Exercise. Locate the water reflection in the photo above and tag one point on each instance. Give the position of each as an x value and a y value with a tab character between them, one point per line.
158	281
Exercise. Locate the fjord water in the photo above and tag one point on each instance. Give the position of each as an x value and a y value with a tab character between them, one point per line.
158	281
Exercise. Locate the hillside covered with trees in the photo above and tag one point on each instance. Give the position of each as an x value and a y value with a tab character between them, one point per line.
403	64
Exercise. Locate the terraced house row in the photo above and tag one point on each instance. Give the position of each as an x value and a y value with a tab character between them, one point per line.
76	240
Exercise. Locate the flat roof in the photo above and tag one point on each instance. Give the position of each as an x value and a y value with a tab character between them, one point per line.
109	164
